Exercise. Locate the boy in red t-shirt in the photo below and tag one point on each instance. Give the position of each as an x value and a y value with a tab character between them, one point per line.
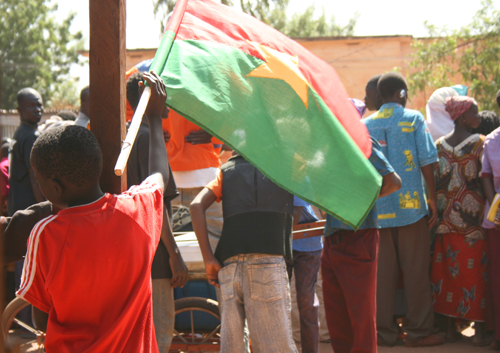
89	266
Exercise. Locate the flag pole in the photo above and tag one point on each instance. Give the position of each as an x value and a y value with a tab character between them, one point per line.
157	66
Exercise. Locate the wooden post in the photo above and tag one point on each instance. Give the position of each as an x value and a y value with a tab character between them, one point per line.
108	85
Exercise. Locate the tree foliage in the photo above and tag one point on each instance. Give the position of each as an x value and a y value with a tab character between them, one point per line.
308	25
273	12
35	50
469	55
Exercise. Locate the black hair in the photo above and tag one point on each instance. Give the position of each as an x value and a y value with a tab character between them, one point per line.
374	80
85	93
498	98
25	92
133	89
390	83
70	153
67	115
489	122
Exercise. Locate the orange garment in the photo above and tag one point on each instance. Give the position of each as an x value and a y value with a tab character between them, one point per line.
184	156
216	186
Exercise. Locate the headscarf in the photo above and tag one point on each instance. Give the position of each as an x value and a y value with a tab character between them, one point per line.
458	105
359	105
438	119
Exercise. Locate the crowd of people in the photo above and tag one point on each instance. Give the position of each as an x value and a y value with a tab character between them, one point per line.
99	269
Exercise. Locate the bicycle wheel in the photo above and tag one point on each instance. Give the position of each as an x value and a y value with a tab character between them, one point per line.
9	318
199	330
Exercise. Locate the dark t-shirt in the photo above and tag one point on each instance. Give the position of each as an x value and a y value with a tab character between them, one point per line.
21	194
137	171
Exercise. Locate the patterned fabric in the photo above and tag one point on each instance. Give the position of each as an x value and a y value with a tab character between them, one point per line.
408	146
459	277
460	198
458	105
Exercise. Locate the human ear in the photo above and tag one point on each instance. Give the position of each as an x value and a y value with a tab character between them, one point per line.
141	87
57	185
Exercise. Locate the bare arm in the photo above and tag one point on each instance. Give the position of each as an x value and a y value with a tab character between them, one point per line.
198	137
34	186
488	188
158	159
17	232
390	183
177	265
197	208
297	212
428	172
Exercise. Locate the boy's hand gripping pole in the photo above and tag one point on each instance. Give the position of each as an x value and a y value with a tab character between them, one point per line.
157	65
121	163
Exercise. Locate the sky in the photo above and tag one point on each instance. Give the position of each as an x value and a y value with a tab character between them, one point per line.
382	17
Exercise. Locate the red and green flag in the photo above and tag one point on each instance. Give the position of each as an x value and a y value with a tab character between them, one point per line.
281	107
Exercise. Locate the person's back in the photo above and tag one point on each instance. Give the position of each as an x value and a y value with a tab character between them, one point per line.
404	141
83	253
404	235
89	266
256	238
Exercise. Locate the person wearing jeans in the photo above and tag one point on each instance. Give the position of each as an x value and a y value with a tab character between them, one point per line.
256	238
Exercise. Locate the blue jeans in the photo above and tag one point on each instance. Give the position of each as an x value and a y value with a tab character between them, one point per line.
306	267
255	287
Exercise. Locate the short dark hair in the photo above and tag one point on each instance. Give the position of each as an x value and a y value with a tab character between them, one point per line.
66	115
498	98
24	93
133	89
390	83
70	153
489	122
84	93
374	80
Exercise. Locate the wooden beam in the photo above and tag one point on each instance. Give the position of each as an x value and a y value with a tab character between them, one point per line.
108	85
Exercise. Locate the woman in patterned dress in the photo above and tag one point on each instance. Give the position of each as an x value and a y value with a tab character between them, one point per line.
459	261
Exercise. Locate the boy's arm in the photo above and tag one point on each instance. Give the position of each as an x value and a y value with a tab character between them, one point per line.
488	188
158	159
200	204
297	212
390	183
17	232
428	172
177	265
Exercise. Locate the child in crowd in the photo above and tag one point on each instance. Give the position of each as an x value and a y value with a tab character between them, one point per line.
459	260
305	266
404	234
256	238
489	122
349	269
168	270
89	266
373	100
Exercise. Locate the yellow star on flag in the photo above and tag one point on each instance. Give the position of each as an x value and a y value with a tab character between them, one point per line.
284	67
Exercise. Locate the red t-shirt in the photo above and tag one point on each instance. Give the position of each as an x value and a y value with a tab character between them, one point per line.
89	267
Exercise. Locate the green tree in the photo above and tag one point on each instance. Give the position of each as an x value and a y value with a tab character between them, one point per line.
307	24
470	55
35	50
64	96
273	12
